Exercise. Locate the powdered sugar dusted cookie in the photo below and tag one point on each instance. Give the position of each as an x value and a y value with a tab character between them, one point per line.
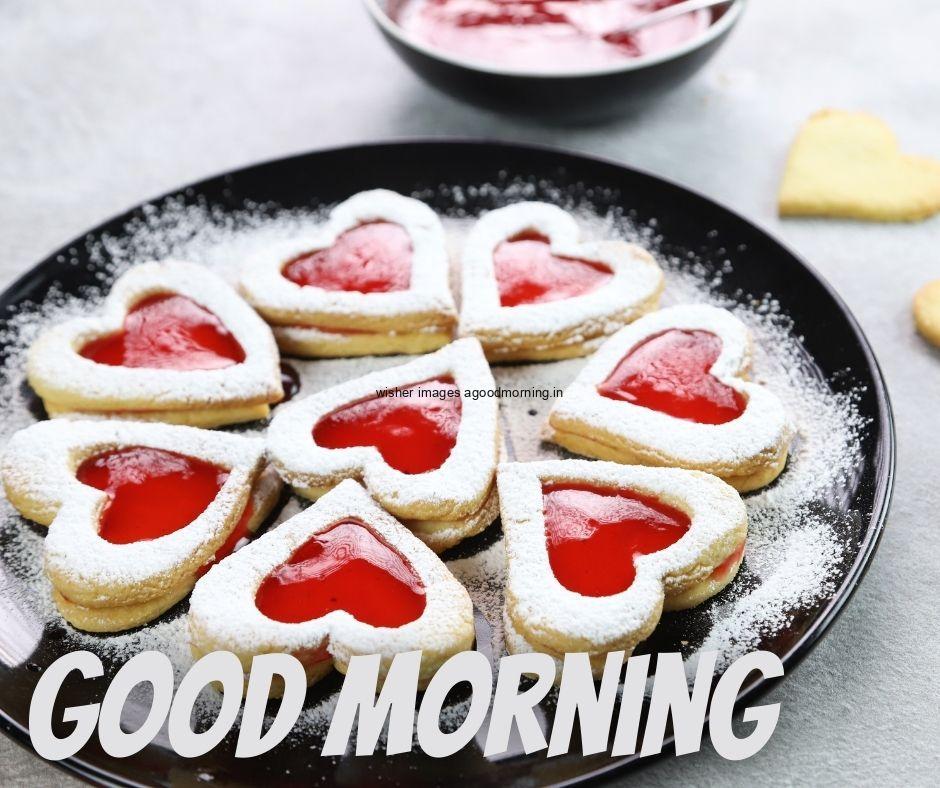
340	579
532	290
173	343
135	510
669	390
596	551
425	450
372	281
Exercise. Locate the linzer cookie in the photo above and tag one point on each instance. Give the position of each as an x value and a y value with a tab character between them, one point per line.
173	343
422	450
136	511
596	551
670	390
532	290
340	579
372	281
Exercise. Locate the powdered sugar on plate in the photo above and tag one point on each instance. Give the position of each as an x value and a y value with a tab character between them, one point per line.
800	538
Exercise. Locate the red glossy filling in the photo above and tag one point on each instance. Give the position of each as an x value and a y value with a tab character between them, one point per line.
346	568
730	561
152	492
594	534
168	332
545	35
414	432
370	258
671	373
528	273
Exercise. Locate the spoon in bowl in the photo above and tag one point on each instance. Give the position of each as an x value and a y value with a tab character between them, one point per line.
670	12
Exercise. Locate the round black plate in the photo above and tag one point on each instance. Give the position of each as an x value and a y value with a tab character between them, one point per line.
687	221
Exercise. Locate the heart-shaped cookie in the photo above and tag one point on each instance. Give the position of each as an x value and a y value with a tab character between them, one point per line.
532	290
669	390
174	342
422	438
372	280
595	551
340	579
849	164
135	510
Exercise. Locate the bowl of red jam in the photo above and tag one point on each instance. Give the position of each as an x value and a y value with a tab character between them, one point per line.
568	60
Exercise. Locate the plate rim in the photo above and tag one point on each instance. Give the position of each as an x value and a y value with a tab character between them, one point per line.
884	454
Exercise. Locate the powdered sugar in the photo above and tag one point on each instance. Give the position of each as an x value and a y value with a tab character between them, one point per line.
794	559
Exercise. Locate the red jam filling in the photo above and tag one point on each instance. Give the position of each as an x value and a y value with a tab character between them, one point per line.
152	492
346	568
545	35
594	534
415	429
725	566
528	273
371	258
168	332
671	373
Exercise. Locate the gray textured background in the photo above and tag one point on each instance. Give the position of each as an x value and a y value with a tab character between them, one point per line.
104	104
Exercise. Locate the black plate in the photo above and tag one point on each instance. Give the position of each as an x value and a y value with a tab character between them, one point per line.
687	221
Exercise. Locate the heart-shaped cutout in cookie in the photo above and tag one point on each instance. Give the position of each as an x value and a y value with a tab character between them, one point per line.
168	332
849	164
342	578
347	567
595	551
594	534
373	257
173	342
414	430
671	389
671	373
136	511
533	290
527	272
422	437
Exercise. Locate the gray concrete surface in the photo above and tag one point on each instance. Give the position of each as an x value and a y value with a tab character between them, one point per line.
103	104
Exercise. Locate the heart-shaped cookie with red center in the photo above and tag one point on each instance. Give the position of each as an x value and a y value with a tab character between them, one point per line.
532	290
135	510
372	280
423	448
174	342
595	551
342	578
669	390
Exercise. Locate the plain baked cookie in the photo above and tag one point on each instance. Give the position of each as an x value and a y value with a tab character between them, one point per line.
927	311
397	595
595	552
849	164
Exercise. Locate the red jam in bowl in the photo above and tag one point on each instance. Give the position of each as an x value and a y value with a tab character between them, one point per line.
545	35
